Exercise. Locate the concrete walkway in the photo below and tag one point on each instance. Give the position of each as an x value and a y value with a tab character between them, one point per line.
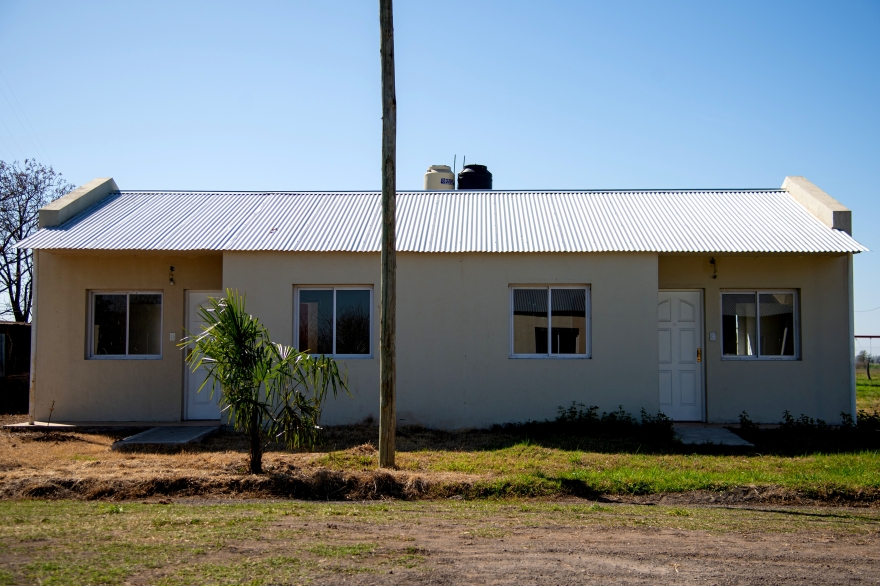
86	425
169	435
704	434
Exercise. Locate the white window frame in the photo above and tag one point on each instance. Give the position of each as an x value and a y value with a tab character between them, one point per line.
126	356
758	292
335	288
549	355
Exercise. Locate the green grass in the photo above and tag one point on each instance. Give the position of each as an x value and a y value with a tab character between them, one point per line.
330	551
532	470
868	391
77	543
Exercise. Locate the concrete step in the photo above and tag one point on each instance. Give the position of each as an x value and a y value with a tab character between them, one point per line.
719	436
169	435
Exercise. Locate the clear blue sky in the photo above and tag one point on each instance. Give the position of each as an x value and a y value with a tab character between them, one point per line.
286	95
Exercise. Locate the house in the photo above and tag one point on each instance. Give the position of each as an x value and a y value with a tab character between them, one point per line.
510	304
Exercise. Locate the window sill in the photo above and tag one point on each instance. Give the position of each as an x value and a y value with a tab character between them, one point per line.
760	358
547	357
123	357
347	356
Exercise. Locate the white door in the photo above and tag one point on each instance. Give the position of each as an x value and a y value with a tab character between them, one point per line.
199	404
680	324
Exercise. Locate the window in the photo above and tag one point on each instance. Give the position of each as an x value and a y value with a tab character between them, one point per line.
550	321
336	321
759	324
126	325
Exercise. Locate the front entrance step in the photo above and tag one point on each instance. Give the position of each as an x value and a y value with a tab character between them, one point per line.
176	435
705	434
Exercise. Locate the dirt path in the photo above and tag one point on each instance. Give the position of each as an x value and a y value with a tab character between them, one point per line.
456	554
276	542
636	556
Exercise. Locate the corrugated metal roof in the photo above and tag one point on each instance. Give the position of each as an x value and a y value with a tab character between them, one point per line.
451	221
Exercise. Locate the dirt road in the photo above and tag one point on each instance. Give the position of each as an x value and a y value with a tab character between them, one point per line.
274	542
560	554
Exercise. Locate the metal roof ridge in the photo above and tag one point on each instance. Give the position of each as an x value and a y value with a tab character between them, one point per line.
410	191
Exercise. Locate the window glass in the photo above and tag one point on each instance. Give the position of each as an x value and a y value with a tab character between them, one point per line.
316	321
530	321
739	324
108	329
777	324
568	333
352	321
144	324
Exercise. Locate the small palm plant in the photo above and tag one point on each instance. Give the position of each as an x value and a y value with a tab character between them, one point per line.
272	392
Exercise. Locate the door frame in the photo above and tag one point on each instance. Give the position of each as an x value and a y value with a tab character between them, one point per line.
702	340
186	316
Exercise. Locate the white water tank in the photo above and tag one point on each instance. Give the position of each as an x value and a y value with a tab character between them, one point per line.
439	177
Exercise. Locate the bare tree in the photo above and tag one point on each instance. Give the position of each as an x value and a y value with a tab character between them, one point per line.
24	189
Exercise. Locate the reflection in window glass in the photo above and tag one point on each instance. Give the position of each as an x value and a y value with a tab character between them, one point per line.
738	324
530	321
352	321
568	333
316	321
777	324
108	330
144	324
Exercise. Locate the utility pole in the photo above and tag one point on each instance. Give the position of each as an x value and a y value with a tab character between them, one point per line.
388	286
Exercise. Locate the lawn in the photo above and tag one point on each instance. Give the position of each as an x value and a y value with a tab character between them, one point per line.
431	464
868	391
197	517
546	460
78	543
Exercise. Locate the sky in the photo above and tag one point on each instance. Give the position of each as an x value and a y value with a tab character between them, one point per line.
550	95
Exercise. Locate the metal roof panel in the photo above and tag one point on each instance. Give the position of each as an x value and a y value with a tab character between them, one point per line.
450	221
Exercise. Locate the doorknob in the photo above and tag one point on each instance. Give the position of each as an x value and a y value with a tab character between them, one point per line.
699	355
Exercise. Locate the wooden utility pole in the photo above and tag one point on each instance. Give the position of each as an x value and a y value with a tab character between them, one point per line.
387	319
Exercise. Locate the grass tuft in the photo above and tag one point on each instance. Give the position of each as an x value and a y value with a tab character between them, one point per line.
335	551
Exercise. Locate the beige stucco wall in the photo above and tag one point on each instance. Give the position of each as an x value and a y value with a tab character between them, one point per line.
817	385
454	368
111	390
453	364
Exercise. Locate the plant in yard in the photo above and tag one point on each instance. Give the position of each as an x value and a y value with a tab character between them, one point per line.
273	393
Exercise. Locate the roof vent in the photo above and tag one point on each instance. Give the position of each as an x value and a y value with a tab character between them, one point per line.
475	177
439	178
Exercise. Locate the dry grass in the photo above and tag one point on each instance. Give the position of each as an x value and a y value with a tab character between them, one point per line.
431	464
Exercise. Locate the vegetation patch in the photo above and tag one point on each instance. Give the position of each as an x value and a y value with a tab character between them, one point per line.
805	435
868	391
335	551
582	454
207	543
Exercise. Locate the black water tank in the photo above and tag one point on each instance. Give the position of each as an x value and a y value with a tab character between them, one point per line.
475	177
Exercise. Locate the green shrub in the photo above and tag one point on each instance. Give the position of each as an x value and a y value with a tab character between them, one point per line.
804	434
614	430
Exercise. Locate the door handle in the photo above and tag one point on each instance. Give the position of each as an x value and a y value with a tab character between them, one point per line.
699	355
